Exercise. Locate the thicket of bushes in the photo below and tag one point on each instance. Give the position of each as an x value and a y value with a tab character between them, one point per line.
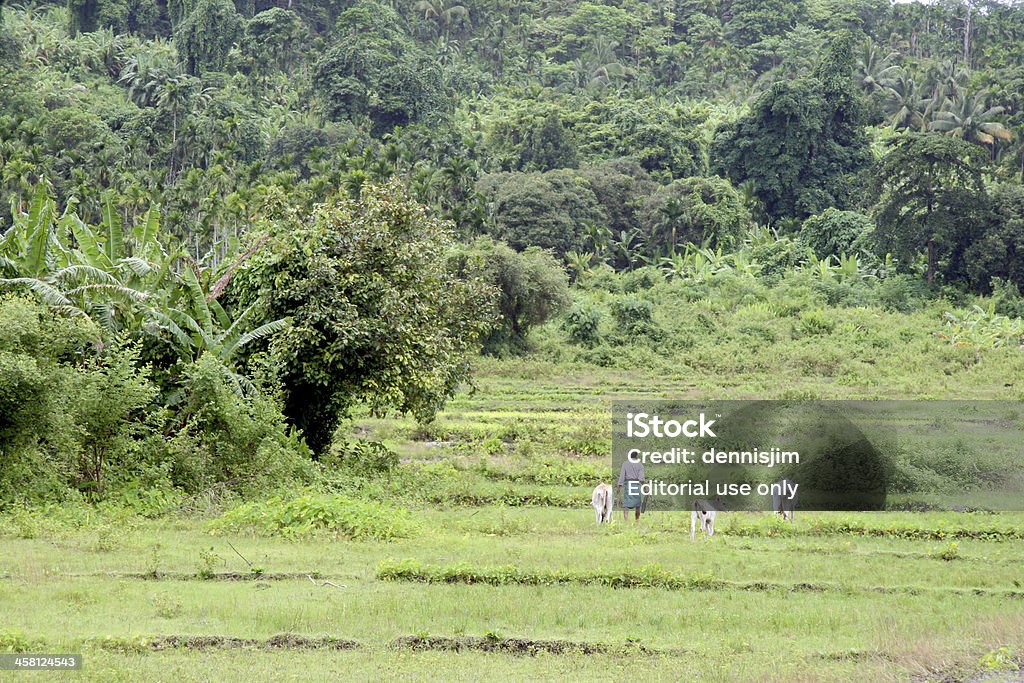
70	416
126	367
705	301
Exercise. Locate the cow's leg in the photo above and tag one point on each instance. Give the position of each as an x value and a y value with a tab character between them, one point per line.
693	525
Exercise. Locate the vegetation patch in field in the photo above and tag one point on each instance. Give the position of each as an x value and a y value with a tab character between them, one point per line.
16	641
283	641
651	576
212	576
839	526
341	517
640	577
517	646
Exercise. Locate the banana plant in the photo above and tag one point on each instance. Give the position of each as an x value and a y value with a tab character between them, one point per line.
744	264
84	271
706	263
202	326
37	240
981	328
580	264
674	266
627	248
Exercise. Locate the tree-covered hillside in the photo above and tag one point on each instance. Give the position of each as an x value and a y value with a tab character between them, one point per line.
242	220
610	128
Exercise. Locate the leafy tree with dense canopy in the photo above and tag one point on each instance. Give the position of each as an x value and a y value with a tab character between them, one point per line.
375	315
532	287
803	143
933	201
834	232
701	211
548	210
206	35
376	70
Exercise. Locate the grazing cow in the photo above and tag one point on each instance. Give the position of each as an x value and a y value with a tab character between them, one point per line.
784	499
602	503
704	512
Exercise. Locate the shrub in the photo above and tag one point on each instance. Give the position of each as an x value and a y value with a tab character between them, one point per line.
834	232
949	553
640	280
582	323
1006	298
999	660
224	436
633	316
532	287
39	442
107	405
815	323
361	458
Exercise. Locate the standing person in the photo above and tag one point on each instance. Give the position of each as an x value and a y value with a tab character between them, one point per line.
632	499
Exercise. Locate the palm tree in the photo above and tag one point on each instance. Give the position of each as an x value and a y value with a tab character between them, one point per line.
145	71
599	68
672	216
443	15
905	106
945	81
875	70
457	177
969	118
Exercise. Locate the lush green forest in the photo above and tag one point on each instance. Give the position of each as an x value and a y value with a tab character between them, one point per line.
227	226
312	314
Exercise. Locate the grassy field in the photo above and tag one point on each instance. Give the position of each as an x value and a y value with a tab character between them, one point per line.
805	606
498	571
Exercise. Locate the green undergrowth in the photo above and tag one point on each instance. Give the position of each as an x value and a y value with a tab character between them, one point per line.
334	515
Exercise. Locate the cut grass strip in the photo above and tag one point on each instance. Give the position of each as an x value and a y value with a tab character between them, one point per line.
639	577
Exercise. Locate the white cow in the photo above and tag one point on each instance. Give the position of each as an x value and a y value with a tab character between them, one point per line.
602	503
784	499
704	512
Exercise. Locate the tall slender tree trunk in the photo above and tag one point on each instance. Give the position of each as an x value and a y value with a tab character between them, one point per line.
931	234
931	260
967	35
